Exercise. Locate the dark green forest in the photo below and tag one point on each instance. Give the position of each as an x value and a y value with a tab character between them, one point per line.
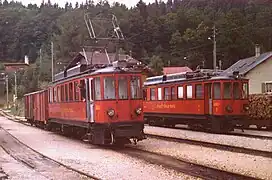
161	33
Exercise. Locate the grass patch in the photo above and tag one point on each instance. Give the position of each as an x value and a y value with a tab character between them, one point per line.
19	110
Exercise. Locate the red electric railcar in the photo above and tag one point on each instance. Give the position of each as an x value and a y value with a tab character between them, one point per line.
104	105
197	99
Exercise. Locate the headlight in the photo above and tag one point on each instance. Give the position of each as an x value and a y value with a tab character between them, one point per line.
138	111
246	107
111	112
229	109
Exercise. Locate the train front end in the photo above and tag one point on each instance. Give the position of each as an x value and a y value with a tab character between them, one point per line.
118	107
230	103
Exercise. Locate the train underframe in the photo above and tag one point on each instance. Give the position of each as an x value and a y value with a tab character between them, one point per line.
215	124
119	133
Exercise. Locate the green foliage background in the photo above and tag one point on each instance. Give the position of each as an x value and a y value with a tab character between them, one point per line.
161	33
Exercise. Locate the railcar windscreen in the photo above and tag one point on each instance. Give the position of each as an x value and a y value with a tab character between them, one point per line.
236	90
217	90
135	86
245	90
109	88
97	88
227	90
123	87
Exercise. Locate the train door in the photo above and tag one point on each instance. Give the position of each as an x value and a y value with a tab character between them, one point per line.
89	100
208	98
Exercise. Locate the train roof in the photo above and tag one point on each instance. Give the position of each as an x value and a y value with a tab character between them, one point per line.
199	75
36	92
98	71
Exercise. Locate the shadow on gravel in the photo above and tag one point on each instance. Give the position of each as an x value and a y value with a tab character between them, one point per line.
3	175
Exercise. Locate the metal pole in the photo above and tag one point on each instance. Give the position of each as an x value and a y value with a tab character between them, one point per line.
7	89
52	58
40	57
15	88
214	48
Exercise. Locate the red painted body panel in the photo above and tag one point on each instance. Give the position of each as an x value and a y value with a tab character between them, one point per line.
219	107
68	111
175	107
124	111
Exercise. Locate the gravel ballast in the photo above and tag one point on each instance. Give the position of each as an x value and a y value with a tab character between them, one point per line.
249	165
94	160
231	140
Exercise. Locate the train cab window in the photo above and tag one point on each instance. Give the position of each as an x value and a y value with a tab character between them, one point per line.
245	91
180	92
76	94
97	88
189	92
153	94
109	88
70	91
66	93
167	95
227	90
236	90
135	87
159	94
123	87
199	91
173	93
217	90
82	87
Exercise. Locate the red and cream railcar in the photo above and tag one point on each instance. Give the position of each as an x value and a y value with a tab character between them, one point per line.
36	107
216	103
104	105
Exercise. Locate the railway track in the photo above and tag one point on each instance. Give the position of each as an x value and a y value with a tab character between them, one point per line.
44	165
182	166
230	133
214	146
166	161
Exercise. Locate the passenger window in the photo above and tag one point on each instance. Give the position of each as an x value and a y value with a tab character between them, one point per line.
199	91
97	87
123	87
167	95
236	90
82	88
55	95
217	91
109	88
70	91
227	90
159	94
180	92
76	90
59	94
173	93
144	94
189	91
66	93
62	93
153	94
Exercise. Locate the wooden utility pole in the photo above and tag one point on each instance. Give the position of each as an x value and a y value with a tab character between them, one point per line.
214	48
52	59
7	89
